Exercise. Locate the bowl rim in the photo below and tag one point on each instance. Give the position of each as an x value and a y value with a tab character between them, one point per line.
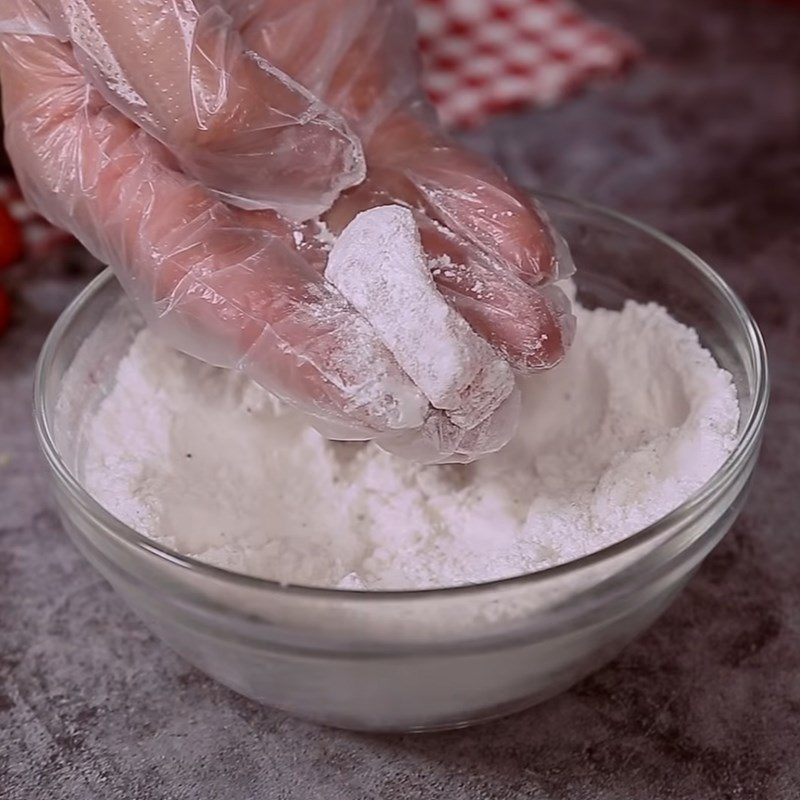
748	437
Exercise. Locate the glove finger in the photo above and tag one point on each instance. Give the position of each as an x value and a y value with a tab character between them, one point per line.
470	196
359	56
233	120
532	326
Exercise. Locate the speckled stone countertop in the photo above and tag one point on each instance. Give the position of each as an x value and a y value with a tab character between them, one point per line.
702	141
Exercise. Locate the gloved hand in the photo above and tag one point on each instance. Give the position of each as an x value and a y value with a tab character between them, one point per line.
170	139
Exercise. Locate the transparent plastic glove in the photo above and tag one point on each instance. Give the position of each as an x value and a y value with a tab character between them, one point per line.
361	57
234	287
234	121
220	283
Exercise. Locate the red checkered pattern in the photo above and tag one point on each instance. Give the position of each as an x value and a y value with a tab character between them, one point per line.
486	56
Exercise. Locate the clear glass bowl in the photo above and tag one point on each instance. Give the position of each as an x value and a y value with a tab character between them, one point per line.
416	660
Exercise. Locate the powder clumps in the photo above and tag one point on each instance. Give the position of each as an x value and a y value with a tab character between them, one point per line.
636	419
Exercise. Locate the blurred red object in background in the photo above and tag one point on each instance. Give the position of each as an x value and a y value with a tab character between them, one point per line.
11	249
11	241
5	309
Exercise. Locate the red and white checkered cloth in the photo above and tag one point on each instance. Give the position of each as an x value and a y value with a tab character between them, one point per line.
486	56
480	57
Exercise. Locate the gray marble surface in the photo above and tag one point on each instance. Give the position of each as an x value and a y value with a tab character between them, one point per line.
702	141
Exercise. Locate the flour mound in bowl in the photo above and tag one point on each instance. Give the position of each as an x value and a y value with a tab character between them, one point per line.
636	419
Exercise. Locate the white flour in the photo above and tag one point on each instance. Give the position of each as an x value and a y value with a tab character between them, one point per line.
637	418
